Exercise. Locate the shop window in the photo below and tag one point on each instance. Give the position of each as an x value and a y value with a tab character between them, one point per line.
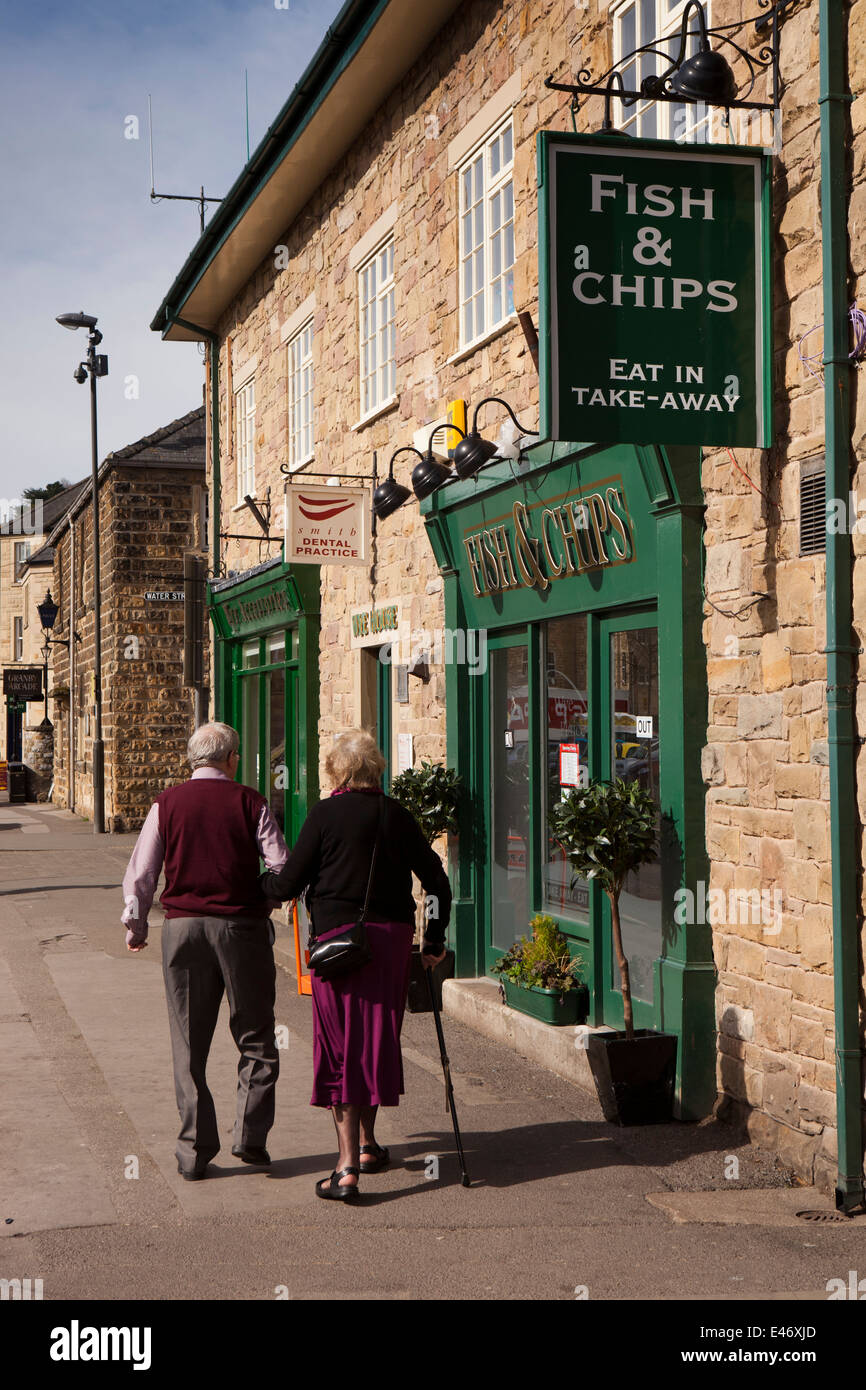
377	329
657	22
300	351
566	736
487	235
245	418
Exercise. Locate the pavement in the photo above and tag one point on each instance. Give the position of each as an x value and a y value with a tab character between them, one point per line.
562	1205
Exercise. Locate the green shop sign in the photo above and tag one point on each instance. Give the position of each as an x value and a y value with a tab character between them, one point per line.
655	296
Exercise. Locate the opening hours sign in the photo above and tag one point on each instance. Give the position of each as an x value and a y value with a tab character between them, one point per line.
656	308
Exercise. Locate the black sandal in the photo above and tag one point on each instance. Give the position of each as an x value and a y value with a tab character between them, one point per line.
382	1159
330	1187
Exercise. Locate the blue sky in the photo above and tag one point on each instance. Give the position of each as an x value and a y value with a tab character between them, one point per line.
77	228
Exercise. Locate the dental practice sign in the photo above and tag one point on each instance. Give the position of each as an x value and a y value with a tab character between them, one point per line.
655	298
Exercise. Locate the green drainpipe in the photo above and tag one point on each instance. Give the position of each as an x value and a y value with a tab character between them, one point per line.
840	651
213	347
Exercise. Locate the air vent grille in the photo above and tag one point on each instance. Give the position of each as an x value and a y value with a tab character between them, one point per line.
813	518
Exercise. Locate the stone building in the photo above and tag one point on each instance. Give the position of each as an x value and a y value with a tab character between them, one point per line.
152	510
361	284
25	574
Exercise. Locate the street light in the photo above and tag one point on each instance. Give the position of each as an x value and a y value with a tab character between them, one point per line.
48	611
95	365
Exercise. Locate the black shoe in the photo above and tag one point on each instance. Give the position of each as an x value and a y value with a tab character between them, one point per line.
193	1174
260	1157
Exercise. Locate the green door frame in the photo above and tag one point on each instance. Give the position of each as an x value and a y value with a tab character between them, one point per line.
272	600
384	718
646	1015
503	641
662	508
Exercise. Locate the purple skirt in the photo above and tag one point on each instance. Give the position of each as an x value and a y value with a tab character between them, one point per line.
357	1020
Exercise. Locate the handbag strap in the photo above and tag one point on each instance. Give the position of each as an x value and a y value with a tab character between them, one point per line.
363	916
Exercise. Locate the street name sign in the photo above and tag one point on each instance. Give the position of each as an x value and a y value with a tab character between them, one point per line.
655	298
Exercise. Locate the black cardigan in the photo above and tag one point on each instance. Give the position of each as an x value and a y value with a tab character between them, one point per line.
332	856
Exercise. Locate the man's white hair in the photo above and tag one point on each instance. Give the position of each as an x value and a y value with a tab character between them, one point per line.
211	743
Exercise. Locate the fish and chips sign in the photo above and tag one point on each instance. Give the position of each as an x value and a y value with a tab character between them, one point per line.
656	305
327	525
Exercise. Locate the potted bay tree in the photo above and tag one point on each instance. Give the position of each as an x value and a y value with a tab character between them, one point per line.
432	793
607	830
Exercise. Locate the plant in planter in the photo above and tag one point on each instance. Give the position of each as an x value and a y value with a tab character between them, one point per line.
540	977
432	793
607	830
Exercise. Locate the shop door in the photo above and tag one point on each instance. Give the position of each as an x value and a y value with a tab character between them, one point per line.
266	718
508	776
630	746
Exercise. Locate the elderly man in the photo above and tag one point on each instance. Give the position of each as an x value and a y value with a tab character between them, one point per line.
208	834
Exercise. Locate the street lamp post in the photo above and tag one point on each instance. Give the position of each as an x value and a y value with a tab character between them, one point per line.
94	365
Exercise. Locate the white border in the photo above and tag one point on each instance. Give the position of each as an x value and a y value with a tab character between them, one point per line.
552	277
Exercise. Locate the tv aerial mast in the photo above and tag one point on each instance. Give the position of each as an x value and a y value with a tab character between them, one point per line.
155	197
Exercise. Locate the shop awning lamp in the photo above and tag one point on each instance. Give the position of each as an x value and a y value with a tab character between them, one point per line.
431	473
473	452
703	78
390	495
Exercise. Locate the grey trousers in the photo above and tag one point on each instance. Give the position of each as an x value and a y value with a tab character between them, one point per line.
201	957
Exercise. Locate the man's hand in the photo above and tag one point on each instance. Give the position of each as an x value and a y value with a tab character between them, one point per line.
428	960
142	946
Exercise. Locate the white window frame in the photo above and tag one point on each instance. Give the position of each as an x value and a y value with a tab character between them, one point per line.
377	334
299	363
26	549
17	639
484	224
662	120
245	430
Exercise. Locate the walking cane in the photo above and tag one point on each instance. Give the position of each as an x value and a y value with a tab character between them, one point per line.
446	1071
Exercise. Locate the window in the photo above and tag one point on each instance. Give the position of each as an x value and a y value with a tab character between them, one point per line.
377	329
245	419
487	235
301	396
17	638
22	554
656	22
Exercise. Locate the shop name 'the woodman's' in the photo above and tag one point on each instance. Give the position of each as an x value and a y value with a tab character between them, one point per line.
574	534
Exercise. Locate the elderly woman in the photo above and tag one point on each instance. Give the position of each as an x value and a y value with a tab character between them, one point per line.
357	1017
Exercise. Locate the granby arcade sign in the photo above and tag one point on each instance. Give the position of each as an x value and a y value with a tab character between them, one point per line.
655	304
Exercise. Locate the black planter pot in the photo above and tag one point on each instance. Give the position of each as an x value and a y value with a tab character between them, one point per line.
418	1000
634	1077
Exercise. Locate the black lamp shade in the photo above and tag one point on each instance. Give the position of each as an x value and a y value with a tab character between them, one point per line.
388	497
428	475
707	77
47	611
471	454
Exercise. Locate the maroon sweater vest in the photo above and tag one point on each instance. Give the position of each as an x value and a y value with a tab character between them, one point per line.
208	828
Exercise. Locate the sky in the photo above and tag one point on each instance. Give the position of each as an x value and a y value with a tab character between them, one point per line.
77	228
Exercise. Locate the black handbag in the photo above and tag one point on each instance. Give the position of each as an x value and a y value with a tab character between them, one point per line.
343	954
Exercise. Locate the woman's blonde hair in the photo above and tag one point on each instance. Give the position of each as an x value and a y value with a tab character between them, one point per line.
355	760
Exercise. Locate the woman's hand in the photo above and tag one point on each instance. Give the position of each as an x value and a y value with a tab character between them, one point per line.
428	960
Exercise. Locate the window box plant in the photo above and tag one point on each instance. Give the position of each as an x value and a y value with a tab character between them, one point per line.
539	976
606	830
